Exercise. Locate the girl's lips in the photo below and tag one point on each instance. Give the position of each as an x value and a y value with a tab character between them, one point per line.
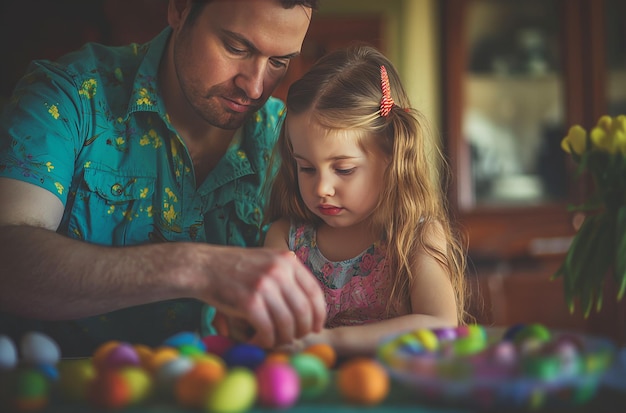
329	210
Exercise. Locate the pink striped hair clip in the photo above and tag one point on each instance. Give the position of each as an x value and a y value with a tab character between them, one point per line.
386	102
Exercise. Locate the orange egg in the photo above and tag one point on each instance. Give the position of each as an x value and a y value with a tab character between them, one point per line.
325	352
161	356
363	381
145	354
193	387
109	390
278	356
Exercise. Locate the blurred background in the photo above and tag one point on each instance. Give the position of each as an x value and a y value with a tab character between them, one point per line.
500	80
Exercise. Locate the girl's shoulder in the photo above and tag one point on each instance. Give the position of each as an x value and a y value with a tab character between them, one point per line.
300	234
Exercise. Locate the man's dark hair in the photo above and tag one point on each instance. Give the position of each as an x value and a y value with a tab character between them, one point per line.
198	5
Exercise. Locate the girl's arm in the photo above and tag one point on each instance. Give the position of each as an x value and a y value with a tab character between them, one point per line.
278	235
433	305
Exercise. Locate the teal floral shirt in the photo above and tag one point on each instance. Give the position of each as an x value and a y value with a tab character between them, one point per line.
92	129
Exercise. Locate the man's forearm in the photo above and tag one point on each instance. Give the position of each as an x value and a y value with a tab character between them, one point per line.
49	276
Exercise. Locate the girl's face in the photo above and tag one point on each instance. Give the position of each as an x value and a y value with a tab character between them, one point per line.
339	182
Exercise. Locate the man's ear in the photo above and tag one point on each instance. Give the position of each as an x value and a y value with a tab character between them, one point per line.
176	12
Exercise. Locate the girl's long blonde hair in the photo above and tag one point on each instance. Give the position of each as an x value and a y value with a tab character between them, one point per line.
343	91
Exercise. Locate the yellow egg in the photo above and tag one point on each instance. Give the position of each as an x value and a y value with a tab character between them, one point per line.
75	375
139	382
363	381
235	393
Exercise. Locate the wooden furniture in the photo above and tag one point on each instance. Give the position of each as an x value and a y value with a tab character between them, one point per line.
517	75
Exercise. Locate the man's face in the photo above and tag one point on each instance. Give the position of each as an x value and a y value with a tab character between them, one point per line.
232	57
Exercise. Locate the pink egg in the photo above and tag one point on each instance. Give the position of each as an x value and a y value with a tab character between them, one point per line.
278	384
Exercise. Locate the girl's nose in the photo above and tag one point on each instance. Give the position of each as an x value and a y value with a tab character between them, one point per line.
251	77
325	187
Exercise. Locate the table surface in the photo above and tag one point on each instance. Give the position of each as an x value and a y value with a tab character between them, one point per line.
400	399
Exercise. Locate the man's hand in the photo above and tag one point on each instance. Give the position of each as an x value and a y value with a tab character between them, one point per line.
271	291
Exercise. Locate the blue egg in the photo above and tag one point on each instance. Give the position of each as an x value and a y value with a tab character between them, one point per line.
38	348
244	355
185	338
8	353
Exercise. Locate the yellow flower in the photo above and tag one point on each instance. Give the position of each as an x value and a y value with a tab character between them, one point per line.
576	140
60	187
88	88
610	134
54	111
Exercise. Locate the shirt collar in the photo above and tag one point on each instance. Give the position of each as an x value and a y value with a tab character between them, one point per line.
145	95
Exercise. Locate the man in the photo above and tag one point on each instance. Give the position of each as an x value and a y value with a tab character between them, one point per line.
109	153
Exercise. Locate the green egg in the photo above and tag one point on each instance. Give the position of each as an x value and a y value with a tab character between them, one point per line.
533	331
314	376
31	384
235	393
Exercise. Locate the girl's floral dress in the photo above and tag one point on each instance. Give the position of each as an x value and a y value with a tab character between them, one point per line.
356	290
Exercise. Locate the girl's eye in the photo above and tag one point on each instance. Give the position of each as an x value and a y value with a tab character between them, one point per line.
306	169
345	171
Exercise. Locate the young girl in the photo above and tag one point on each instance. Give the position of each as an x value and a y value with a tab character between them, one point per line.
357	199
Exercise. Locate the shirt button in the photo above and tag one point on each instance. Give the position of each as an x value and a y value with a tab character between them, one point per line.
117	189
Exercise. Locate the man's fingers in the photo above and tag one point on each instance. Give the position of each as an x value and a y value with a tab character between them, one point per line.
315	296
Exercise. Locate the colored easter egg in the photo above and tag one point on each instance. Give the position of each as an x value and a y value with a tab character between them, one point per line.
244	355
161	356
445	334
278	384
99	355
194	386
38	348
185	338
145	355
123	354
387	351
139	383
49	371
170	372
468	345
325	352
109	390
427	338
410	344
535	331
235	393
313	374
217	344
542	367
75	376
363	381
278	356
8	353
31	384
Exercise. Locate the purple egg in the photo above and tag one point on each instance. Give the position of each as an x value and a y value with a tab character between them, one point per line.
121	355
445	334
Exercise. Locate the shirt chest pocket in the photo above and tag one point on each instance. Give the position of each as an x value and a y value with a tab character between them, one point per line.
113	208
